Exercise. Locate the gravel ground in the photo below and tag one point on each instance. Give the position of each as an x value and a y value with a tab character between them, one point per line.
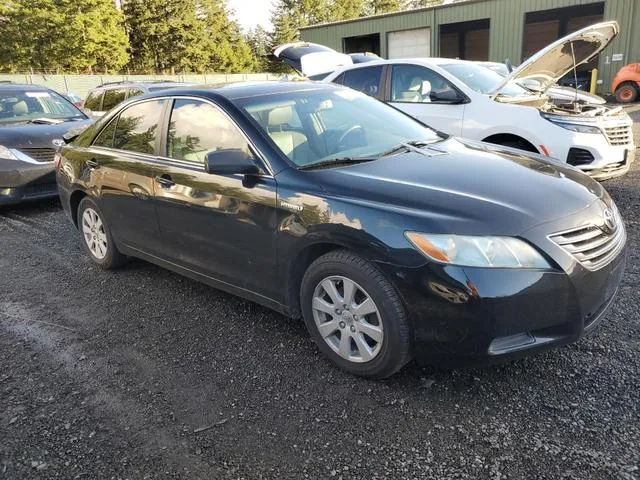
143	374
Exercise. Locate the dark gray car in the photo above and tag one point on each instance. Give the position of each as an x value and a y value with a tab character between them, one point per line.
33	121
106	96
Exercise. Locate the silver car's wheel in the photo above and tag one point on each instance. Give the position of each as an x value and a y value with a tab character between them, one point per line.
94	233
348	319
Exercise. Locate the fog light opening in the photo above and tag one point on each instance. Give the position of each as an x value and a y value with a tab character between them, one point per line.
511	342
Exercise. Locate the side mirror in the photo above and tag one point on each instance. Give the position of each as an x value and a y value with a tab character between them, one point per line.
446	96
230	161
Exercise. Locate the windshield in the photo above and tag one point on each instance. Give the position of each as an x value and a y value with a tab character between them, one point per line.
315	126
482	79
25	105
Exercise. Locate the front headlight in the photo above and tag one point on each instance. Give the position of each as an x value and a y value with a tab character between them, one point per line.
7	153
574	127
478	251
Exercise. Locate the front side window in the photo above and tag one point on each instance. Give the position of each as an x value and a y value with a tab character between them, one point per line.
365	80
113	97
416	84
137	127
320	125
93	101
197	128
105	137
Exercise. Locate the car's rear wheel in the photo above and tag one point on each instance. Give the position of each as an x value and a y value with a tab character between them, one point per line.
355	315
96	236
626	93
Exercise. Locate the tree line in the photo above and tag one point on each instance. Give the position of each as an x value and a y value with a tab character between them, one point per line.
158	36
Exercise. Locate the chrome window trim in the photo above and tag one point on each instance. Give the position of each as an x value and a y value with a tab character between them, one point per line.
181	163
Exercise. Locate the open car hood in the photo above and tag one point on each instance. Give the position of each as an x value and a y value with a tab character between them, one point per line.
310	59
556	60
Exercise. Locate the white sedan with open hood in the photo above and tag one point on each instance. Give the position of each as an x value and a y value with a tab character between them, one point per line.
465	99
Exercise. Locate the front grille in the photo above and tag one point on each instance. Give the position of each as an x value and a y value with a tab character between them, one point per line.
619	135
40	154
591	245
579	156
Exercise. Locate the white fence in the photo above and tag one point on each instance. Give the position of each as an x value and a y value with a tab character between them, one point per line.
81	84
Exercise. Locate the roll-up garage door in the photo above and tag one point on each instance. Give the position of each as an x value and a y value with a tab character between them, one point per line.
409	43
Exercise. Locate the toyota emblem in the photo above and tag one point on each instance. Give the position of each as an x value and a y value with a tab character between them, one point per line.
609	219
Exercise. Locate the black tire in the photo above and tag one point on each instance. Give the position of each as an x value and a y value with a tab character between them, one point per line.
396	346
626	93
113	258
519	144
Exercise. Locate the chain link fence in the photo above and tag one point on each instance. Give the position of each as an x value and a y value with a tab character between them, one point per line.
81	84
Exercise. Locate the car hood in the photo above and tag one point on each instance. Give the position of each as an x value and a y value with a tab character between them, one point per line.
310	58
556	60
468	187
34	135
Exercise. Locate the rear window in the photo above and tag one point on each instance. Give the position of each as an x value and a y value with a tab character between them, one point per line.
365	80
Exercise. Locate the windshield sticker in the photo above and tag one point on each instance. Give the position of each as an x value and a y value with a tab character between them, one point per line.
37	94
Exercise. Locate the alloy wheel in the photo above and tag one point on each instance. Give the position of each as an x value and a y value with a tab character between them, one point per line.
348	319
94	233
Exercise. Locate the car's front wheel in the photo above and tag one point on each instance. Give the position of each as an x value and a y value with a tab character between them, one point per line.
96	236
355	315
626	93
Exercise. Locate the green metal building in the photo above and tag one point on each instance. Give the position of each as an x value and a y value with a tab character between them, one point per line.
493	30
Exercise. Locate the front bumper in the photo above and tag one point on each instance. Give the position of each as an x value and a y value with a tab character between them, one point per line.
21	181
609	161
470	316
466	315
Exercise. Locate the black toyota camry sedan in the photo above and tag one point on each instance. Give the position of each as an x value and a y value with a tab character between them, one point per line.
392	241
33	121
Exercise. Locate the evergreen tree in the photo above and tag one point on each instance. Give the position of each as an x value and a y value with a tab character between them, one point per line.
376	7
185	36
258	39
347	9
62	35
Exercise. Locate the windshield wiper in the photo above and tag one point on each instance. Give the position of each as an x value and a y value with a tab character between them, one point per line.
405	146
45	121
336	162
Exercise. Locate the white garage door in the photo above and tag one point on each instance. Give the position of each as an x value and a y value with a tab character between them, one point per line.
410	43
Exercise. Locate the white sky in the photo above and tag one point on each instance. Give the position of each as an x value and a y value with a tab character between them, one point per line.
250	13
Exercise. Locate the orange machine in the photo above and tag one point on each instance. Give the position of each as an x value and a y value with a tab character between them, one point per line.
626	83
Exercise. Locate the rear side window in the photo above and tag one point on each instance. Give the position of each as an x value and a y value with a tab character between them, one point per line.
365	80
134	92
105	137
113	98
93	101
137	127
197	128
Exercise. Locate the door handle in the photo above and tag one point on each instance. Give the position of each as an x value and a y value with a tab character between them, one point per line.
165	181
93	164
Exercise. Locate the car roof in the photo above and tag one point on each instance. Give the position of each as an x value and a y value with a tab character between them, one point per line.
22	87
238	90
144	84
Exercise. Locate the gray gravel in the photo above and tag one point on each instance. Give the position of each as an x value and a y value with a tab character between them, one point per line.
142	374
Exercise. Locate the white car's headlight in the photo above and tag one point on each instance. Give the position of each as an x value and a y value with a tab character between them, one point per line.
569	125
478	251
7	153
